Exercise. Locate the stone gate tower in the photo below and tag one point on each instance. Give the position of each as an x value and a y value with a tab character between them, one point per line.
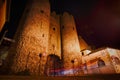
54	35
42	40
31	47
70	43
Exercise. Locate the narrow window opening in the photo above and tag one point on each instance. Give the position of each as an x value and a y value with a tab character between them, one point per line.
62	27
43	35
54	29
82	53
41	11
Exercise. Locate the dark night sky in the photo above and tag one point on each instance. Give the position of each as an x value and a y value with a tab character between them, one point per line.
97	21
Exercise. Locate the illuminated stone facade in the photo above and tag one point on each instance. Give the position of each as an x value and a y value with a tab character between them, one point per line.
102	61
40	36
70	43
31	46
3	4
83	44
47	43
54	35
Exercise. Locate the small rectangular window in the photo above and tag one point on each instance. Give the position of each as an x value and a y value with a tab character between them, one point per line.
43	35
54	29
41	11
62	27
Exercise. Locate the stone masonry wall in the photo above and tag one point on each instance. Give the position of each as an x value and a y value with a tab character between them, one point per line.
70	44
54	37
91	61
83	44
29	52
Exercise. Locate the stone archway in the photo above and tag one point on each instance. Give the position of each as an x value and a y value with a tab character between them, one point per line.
53	65
101	63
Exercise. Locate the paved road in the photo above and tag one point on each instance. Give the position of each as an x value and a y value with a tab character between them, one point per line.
85	77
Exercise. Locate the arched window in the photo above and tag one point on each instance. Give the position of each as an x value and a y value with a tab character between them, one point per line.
101	63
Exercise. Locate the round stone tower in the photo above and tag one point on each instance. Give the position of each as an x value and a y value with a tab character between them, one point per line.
29	52
70	43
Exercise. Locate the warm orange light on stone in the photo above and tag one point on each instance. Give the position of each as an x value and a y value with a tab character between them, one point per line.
41	37
104	54
83	44
2	13
31	39
54	35
70	43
